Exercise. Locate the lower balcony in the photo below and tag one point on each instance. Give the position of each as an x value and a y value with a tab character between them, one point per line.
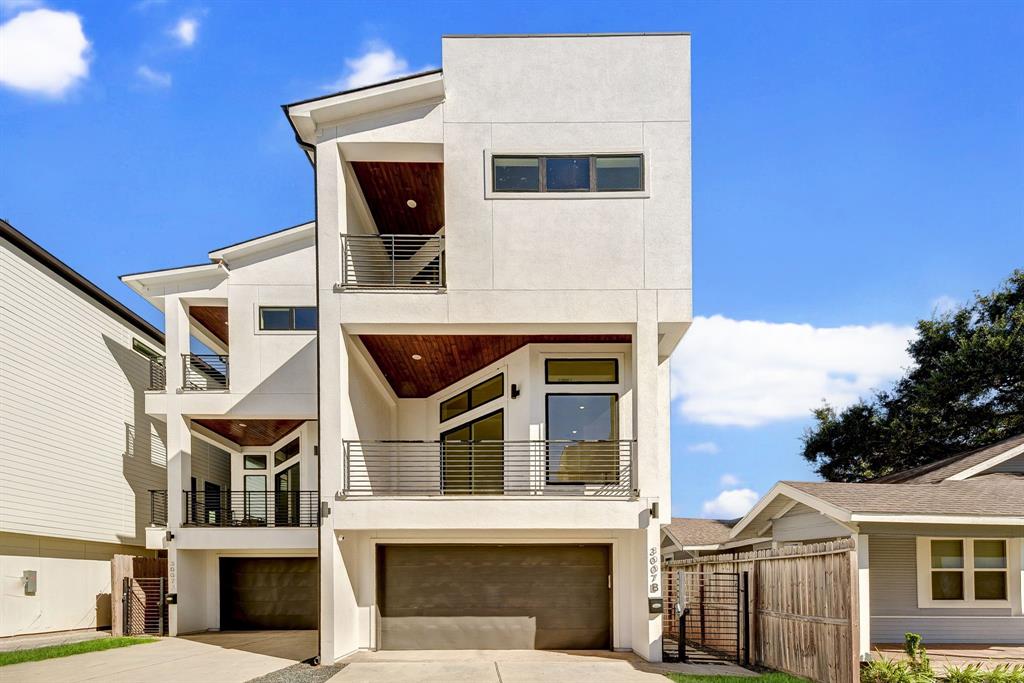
273	509
550	468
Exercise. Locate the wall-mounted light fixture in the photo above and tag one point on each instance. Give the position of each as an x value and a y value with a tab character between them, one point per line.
515	391
169	536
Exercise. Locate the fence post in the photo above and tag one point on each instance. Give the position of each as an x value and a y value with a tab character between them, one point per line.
747	616
126	615
682	634
160	608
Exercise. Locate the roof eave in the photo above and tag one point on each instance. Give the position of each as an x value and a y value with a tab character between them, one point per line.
289	235
306	115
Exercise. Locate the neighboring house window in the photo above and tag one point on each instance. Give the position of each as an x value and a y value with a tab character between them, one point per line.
568	173
143	350
963	572
288	317
581	371
474	397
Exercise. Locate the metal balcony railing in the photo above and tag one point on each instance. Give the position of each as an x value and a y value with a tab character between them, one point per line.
252	508
157	374
493	468
392	261
157	508
204	372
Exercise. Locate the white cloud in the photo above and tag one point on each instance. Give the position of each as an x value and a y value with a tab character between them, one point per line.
11	6
43	52
944	304
186	31
377	64
727	480
703	447
730	504
158	78
748	373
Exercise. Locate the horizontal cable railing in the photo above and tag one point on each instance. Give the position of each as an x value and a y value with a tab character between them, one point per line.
157	374
204	372
251	508
495	468
157	508
393	261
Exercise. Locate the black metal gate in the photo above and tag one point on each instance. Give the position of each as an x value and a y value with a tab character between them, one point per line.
144	602
713	618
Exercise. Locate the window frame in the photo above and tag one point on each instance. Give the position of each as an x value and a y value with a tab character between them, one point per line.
260	327
547	362
143	349
925	571
542	192
441	419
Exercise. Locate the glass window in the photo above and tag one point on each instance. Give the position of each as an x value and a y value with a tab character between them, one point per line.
619	173
948	554
990	586
947	585
289	450
990	554
567	174
590	418
255	461
144	350
516	174
474	397
255	498
473	457
275	318
305	318
581	370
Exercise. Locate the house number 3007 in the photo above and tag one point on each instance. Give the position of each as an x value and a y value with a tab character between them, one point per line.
652	562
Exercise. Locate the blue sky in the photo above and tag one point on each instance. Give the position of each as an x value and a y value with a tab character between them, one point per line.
855	167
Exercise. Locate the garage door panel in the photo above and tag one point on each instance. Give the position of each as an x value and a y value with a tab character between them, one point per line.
485	597
268	593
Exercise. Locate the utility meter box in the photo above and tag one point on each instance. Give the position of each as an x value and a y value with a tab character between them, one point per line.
29	577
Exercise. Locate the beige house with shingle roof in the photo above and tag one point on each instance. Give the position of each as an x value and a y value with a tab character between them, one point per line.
940	548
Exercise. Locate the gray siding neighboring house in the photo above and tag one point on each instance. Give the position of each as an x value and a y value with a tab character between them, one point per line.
902	525
78	454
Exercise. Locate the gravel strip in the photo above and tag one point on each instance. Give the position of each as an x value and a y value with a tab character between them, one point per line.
300	673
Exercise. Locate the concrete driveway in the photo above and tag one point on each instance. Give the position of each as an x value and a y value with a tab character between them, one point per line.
512	666
227	657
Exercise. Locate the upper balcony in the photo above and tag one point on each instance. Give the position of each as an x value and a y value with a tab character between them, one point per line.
393	262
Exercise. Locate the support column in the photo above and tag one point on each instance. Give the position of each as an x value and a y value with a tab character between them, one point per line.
179	445
647	628
864	594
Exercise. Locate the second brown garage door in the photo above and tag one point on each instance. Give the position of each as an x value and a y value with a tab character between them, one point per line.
554	597
268	593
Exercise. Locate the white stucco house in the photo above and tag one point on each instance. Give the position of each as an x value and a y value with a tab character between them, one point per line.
78	453
452	387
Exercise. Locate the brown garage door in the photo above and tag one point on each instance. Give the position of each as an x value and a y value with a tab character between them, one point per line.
553	597
268	593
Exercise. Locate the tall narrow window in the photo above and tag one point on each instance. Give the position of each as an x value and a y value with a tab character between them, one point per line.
255	499
583	433
948	570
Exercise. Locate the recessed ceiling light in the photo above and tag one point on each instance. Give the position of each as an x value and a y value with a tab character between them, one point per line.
411	203
417	356
242	424
582	407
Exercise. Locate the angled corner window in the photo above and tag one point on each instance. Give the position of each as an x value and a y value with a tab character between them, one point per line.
286	452
568	173
288	318
143	350
474	397
581	371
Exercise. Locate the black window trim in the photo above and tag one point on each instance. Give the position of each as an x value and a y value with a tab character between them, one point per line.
469	395
547	433
542	172
291	312
548	360
245	463
143	349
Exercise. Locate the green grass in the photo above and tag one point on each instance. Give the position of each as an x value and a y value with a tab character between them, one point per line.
51	651
763	678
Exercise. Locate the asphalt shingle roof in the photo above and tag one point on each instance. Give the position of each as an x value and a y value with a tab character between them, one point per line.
691	531
935	472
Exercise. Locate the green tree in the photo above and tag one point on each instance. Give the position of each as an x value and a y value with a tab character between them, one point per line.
964	390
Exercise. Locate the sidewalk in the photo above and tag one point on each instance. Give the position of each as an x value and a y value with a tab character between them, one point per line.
12	643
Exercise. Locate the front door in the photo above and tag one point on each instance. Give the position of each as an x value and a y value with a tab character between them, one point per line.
473	458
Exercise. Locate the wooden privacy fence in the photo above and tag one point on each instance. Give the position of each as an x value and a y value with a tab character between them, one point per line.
802	605
137	589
